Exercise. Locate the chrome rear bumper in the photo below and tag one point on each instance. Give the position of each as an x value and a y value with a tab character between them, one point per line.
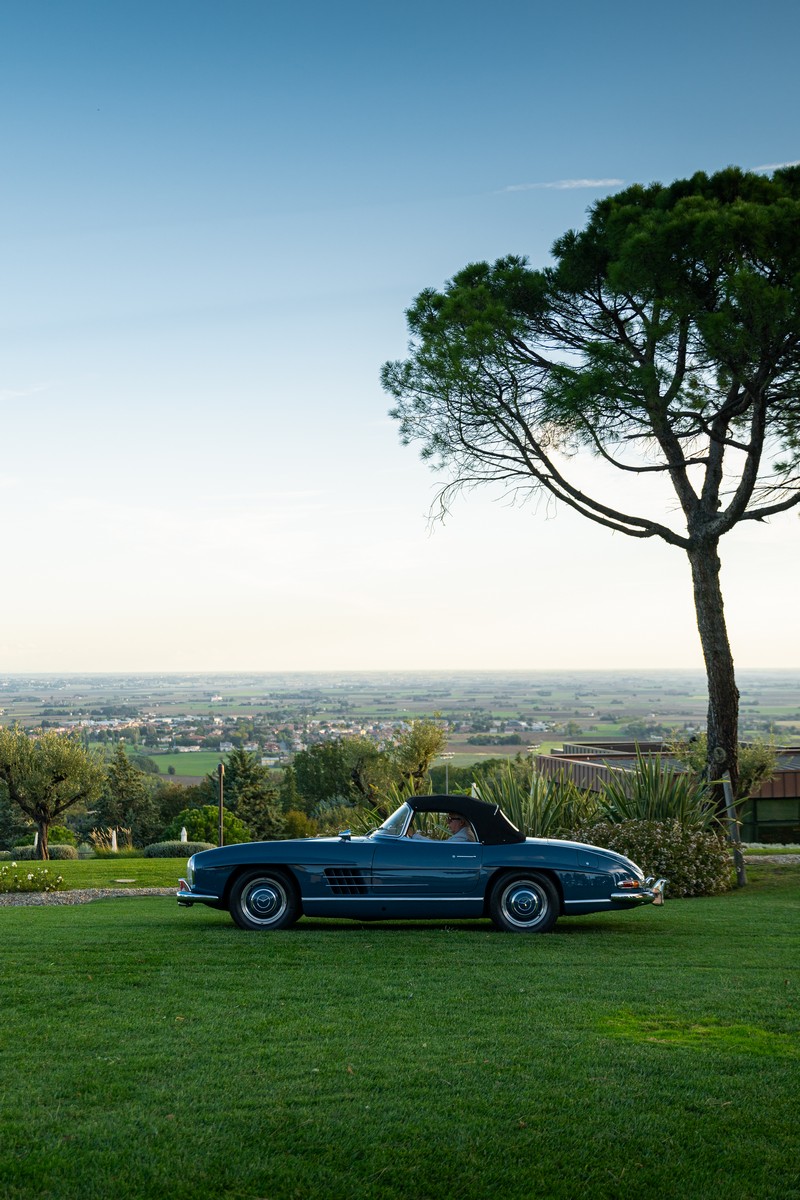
651	892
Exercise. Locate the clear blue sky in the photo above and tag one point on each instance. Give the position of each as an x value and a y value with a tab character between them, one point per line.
213	217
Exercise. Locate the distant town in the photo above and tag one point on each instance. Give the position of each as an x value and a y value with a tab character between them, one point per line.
277	715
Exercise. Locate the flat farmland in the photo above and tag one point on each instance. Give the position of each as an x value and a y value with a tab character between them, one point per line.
193	763
568	703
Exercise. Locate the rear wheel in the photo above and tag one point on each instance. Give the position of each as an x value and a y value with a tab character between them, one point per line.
264	900
524	903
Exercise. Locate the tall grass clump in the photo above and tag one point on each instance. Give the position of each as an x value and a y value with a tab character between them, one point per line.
102	841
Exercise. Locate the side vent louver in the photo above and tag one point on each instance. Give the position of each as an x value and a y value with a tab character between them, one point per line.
345	881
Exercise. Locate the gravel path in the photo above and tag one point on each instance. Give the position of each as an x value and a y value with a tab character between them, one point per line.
78	895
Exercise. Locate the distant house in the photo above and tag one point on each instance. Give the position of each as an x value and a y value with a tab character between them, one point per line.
225	747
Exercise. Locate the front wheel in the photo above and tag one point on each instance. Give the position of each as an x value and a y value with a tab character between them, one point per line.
264	900
525	903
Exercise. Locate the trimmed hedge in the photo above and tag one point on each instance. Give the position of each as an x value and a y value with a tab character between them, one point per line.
55	850
175	849
695	862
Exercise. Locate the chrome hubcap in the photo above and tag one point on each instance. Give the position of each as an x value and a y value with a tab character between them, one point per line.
264	900
525	904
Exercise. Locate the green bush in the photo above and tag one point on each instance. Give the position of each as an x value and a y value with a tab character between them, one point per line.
38	879
696	862
5	855
60	834
298	824
123	852
31	853
175	849
201	825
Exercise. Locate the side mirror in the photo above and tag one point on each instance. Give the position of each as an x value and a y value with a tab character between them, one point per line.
345	835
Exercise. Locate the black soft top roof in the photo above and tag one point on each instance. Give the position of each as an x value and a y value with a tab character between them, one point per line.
492	826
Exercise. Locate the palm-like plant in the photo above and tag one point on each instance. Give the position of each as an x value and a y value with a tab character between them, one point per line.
546	808
655	791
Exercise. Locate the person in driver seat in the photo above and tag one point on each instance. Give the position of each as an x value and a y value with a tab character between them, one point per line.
460	830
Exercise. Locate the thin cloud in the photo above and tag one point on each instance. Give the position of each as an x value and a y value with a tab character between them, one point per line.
562	185
23	393
777	166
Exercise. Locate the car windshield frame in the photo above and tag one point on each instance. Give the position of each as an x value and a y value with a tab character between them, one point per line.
395	825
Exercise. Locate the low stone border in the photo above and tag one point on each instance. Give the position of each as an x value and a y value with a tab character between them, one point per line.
79	895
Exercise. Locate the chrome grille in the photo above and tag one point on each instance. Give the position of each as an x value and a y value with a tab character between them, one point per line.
346	881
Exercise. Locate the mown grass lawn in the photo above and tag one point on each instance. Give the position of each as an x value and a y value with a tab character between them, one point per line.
153	1052
109	872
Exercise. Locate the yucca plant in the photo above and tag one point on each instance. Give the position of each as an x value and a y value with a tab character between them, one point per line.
655	791
548	807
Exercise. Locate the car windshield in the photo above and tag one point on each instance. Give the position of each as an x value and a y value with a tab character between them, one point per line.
394	825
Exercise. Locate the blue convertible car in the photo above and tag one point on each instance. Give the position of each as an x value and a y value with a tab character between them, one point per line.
436	857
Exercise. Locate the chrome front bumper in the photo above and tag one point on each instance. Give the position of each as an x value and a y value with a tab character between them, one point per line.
651	892
187	897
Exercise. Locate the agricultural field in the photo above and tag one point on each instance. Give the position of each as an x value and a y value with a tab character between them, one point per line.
602	700
196	764
646	1053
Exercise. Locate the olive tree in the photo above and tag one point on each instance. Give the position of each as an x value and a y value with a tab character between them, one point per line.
665	341
46	774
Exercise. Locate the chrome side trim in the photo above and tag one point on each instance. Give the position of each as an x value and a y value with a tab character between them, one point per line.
380	899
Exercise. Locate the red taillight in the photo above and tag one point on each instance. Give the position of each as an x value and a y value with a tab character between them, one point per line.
629	883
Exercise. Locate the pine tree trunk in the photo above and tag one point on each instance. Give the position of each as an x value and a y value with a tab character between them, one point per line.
723	694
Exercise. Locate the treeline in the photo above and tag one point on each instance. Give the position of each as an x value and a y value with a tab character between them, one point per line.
52	778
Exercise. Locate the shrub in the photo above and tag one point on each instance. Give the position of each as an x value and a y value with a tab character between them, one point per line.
59	834
38	879
696	862
298	825
31	853
176	849
201	824
125	852
334	815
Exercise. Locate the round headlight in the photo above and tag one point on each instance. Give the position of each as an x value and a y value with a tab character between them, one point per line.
190	871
